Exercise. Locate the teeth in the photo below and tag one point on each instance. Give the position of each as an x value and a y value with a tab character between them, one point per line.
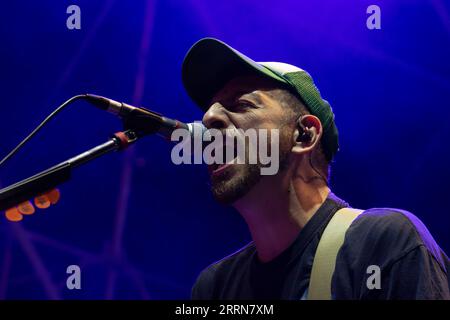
231	161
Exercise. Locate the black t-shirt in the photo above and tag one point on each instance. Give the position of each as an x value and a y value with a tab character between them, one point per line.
411	264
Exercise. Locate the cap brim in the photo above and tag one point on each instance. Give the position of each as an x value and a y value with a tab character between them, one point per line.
210	64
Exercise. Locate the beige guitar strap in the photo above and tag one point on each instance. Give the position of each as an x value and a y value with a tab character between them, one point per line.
327	250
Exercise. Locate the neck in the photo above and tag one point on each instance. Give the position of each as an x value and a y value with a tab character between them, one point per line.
277	209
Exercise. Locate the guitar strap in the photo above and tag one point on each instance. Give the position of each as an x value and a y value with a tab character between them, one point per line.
327	250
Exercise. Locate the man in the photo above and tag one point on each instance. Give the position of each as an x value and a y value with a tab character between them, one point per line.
287	212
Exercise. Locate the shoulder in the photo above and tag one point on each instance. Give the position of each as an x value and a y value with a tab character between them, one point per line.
394	232
410	263
212	276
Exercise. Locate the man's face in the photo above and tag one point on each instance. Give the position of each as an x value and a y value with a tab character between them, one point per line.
247	102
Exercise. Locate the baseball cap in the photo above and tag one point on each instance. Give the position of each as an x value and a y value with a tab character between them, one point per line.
210	64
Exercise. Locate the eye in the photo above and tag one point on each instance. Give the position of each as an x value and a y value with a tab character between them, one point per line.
243	105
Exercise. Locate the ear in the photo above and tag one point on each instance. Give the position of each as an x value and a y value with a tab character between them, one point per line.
307	134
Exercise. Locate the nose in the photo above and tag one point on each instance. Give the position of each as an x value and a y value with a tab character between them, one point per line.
216	117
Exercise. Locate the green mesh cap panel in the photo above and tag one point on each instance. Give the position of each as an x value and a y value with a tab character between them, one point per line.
211	63
303	84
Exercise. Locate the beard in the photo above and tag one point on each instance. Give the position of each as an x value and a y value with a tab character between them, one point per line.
239	179
235	183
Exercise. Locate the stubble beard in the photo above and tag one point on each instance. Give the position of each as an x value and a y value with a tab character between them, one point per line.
238	181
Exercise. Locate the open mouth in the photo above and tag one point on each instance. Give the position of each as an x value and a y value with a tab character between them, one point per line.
228	152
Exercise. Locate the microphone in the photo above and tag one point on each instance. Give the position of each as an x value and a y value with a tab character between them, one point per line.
143	119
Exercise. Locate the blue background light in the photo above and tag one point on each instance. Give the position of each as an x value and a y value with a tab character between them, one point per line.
141	227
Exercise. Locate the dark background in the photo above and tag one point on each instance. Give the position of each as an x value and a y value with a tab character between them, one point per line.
142	227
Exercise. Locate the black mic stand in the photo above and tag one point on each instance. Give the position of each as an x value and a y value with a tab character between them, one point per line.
135	128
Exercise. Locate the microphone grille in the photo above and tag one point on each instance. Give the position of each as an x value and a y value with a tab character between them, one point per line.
199	131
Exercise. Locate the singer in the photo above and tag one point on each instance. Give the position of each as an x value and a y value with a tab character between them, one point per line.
385	253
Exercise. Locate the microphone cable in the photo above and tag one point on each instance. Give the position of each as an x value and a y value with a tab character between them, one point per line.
39	127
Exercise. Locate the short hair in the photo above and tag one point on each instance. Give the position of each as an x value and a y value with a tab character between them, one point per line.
292	102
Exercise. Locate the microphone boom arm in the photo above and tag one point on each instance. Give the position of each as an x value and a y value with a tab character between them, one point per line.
48	179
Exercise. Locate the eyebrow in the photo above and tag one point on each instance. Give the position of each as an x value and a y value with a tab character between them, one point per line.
241	92
253	95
